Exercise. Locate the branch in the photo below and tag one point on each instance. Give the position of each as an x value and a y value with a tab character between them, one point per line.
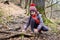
12	34
51	5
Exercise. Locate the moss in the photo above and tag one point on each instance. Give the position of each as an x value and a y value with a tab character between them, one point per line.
9	18
46	20
28	14
1	20
53	27
1	13
57	22
40	9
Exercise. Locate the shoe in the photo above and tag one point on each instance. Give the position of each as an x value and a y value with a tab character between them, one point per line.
40	32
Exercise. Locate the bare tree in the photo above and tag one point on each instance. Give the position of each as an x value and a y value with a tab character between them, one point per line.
23	3
28	6
51	9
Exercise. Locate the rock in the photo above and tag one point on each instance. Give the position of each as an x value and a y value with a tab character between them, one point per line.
1	26
58	28
12	9
43	38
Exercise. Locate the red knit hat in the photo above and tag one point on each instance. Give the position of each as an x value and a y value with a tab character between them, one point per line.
32	7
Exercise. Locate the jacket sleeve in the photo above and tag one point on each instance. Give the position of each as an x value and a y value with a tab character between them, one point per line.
28	23
41	22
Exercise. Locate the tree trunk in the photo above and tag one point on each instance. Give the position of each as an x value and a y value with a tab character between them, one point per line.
32	1
23	3
51	9
28	6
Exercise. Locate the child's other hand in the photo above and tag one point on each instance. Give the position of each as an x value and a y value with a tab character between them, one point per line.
24	27
35	30
23	30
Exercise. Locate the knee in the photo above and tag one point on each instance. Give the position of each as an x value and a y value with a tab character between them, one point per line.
45	29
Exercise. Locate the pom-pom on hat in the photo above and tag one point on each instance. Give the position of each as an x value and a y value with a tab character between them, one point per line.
32	4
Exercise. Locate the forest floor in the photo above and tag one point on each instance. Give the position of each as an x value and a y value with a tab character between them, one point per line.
11	29
15	27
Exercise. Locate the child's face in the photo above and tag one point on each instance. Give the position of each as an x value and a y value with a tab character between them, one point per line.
32	12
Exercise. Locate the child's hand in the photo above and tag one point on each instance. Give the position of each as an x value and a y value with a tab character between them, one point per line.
25	27
23	30
35	30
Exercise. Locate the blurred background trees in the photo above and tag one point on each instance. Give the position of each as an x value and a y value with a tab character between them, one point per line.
49	8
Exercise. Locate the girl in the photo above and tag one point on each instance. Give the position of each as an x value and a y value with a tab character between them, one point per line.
35	20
